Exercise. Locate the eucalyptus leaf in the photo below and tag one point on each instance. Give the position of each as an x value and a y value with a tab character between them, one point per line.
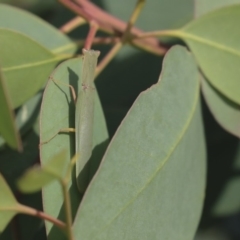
8	127
216	48
58	112
35	28
24	61
204	6
8	204
37	177
27	115
151	182
226	112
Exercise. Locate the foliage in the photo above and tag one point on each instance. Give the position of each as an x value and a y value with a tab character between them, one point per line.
124	157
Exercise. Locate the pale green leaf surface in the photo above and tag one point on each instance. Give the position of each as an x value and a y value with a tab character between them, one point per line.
35	28
214	39
37	177
8	204
7	125
151	182
204	6
25	65
26	115
58	112
226	112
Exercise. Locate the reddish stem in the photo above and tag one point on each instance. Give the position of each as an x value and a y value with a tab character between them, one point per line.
111	24
72	24
91	35
39	214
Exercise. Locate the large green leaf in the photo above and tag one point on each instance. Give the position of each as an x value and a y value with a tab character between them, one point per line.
7	125
35	28
8	204
216	48
204	6
151	182
226	112
25	65
58	112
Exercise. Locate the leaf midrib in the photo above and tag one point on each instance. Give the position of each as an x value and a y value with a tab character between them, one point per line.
35	64
188	122
184	35
9	209
64	48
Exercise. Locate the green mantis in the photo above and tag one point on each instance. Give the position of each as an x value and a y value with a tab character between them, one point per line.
84	115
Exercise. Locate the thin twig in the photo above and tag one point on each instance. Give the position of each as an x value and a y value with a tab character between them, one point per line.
132	20
106	40
39	214
111	24
124	38
68	212
99	41
163	33
91	35
72	24
110	55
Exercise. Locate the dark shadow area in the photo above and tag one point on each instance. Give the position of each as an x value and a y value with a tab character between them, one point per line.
122	81
73	80
96	158
13	163
92	165
221	152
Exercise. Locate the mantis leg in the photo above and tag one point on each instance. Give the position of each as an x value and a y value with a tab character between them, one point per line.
63	130
70	86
